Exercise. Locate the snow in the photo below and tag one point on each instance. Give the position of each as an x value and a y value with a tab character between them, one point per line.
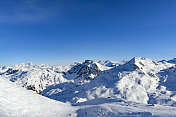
109	63
84	72
139	87
19	102
102	67
122	109
34	77
138	80
173	61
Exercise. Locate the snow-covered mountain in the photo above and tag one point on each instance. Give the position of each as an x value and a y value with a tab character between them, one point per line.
19	102
173	61
139	80
109	63
34	77
85	72
39	77
95	88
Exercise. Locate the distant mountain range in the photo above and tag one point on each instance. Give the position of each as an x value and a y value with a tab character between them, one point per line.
139	80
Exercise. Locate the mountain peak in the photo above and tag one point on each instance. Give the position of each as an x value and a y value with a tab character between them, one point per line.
89	61
84	71
172	61
141	63
29	63
137	59
109	63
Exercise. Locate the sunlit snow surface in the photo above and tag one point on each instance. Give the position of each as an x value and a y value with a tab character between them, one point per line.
139	87
140	80
19	102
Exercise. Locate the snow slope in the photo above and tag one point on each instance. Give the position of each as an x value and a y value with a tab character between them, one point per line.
173	61
128	89
118	108
139	80
16	101
39	77
34	77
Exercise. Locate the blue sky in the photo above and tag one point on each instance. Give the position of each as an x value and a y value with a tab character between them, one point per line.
64	31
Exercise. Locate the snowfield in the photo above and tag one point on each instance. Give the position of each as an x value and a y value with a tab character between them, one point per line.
140	80
34	77
19	102
139	87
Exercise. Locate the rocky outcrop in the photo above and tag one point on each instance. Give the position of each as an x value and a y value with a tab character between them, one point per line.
84	71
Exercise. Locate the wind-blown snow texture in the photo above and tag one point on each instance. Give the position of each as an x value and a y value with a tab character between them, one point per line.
139	80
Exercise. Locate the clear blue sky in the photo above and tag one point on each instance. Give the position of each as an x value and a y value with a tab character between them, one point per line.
64	31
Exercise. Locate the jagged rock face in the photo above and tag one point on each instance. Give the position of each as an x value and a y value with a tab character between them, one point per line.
8	71
11	71
85	71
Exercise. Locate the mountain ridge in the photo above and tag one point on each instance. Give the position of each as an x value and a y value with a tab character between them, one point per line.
140	80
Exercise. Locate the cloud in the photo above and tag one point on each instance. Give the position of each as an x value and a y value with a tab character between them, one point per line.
41	10
25	11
